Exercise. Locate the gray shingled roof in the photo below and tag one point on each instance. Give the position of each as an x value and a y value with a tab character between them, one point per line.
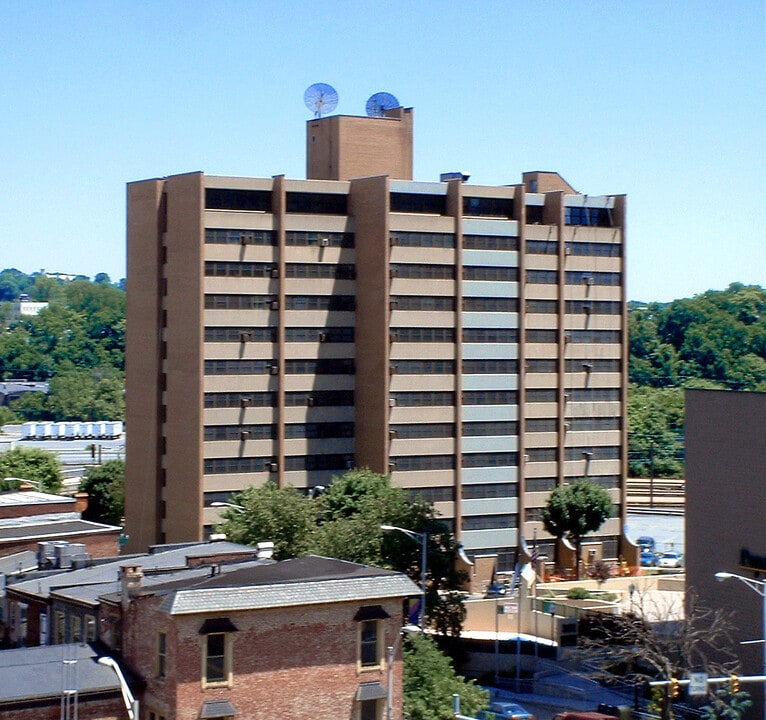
304	581
38	672
160	559
48	529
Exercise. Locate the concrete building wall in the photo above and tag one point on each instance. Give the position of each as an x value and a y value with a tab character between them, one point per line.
725	499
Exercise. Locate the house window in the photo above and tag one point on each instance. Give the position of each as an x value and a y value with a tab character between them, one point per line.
90	628
370	709
58	632
76	628
216	665
369	643
161	654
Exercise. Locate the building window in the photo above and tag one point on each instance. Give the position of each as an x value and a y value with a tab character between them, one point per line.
370	643
422	239
230	199
155	715
90	628
217	663
490	242
75	628
162	656
316	203
59	626
370	709
490	304
419	203
490	335
488	206
491	273
425	302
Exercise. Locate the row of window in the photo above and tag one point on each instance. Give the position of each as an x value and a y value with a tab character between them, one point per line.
269	334
337	271
574	453
270	302
539	395
269	432
322	366
490	522
549	483
575	336
533	425
576	307
573	277
433	271
313	398
592	217
307	463
587	249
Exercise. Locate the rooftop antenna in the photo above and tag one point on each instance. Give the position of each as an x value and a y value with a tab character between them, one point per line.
320	98
379	103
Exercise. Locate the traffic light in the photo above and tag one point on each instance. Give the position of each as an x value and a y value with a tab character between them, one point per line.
734	684
673	688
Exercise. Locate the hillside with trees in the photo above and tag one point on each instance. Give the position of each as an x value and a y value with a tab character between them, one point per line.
713	340
76	345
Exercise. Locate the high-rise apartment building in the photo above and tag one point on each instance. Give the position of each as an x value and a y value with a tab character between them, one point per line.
469	340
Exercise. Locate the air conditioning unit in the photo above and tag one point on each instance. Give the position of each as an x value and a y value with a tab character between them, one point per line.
587	366
244	434
393	369
275	304
324	242
275	272
244	239
567	426
567	250
392	434
391	466
274	369
245	335
393	272
586	307
588	280
310	401
322	336
392	402
245	402
273	467
587	454
349	464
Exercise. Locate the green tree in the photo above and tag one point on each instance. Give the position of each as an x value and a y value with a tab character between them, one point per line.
105	485
8	417
573	511
33	464
270	514
430	681
655	431
726	704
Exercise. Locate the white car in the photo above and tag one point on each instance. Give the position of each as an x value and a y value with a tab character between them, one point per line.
670	560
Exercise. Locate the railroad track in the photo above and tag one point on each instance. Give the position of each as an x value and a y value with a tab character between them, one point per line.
660	493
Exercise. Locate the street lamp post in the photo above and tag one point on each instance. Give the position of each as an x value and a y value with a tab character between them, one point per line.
131	703
758	586
423	537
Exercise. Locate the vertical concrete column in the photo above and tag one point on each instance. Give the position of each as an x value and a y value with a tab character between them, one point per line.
279	210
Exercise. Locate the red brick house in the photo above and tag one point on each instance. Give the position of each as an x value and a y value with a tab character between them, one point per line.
299	639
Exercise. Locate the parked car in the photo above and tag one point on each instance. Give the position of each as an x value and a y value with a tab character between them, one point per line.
648	558
646	542
496	589
501	710
670	559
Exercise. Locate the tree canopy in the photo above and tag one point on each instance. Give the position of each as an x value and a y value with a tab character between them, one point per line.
430	681
105	485
35	464
573	511
345	522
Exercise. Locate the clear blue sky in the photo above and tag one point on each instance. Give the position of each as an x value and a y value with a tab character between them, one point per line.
664	101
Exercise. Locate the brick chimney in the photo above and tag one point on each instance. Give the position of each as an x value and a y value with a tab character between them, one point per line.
131	577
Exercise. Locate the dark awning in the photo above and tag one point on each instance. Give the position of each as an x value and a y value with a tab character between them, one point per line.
370	691
217	709
217	625
371	612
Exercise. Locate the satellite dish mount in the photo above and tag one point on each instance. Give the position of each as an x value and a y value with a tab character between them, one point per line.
320	98
379	103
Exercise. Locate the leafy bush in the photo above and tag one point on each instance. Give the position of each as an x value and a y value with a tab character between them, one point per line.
578	593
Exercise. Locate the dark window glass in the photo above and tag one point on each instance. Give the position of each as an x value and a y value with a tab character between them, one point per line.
592	453
533	425
578	277
490	397
540	484
423	367
322	366
597	365
592	217
239	432
220	268
490	304
423	272
338	271
474	460
541	395
542	336
240	399
413	335
491	272
215	665
425	302
491	366
319	462
541	306
230	199
316	203
221	236
489	490
593	336
542	247
592	249
323	335
237	367
432	494
319	398
422	239
490	335
239	302
534	214
488	206
490	242
577	424
594	307
542	277
320	430
542	455
240	334
498	428
319	238
490	522
435	398
320	302
409	463
418	203
541	365
432	430
594	394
